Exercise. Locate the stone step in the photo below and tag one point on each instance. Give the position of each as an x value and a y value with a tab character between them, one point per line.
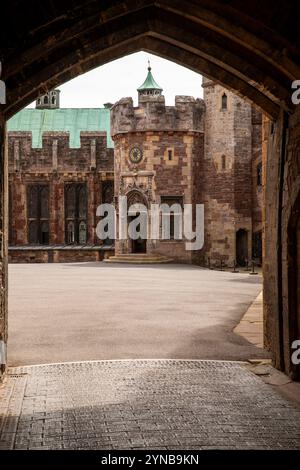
138	258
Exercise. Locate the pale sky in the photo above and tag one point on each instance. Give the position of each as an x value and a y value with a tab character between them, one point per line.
122	77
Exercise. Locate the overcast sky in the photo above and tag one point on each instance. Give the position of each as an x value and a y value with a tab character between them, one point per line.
122	77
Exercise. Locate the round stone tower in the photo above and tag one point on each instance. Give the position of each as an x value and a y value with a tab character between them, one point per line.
158	159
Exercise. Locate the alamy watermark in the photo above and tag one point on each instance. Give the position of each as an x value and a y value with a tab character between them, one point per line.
296	354
296	93
159	222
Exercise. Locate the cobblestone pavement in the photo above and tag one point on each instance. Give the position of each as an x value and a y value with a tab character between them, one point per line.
154	404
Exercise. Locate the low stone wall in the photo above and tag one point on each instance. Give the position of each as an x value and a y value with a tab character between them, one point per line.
58	255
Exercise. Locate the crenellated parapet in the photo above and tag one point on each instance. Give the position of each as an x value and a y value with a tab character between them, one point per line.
56	154
152	114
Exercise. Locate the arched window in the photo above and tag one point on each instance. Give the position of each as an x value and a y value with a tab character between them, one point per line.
70	201
53	99
46	100
38	214
224	102
82	233
76	213
82	202
223	162
45	233
71	232
32	201
44	201
32	233
107	192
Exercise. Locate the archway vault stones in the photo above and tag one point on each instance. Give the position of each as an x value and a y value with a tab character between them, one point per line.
250	47
252	52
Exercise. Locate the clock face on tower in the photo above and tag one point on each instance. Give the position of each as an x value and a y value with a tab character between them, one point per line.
135	155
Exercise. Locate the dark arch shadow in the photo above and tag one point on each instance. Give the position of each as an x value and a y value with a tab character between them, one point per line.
246	52
293	306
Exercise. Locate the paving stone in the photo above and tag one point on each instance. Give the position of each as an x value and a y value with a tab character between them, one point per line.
140	404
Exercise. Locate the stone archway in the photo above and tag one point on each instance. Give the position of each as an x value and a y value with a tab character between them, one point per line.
225	42
256	53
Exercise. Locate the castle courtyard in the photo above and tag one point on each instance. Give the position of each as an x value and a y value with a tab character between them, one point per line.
127	357
93	311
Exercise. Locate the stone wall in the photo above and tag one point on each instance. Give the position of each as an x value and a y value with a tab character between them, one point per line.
257	191
228	170
157	129
290	244
57	155
281	243
57	255
56	164
152	114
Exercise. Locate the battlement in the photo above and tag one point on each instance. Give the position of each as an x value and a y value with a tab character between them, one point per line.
153	114
56	153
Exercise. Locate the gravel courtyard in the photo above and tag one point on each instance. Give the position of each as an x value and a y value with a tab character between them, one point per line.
95	311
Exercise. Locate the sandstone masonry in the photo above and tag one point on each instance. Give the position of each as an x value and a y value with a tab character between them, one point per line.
198	151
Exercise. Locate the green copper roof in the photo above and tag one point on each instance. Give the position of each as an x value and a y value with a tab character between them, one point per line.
149	83
69	120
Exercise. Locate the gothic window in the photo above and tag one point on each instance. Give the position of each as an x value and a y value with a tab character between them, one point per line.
224	102
107	198
70	201
32	197
76	213
70	233
107	192
170	201
82	202
32	232
223	162
259	174
46	100
38	214
44	202
82	233
53	100
45	232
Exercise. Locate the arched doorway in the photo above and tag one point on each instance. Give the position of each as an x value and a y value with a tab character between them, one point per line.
67	40
241	247
137	215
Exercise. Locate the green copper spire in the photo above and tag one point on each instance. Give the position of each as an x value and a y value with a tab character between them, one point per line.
149	87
